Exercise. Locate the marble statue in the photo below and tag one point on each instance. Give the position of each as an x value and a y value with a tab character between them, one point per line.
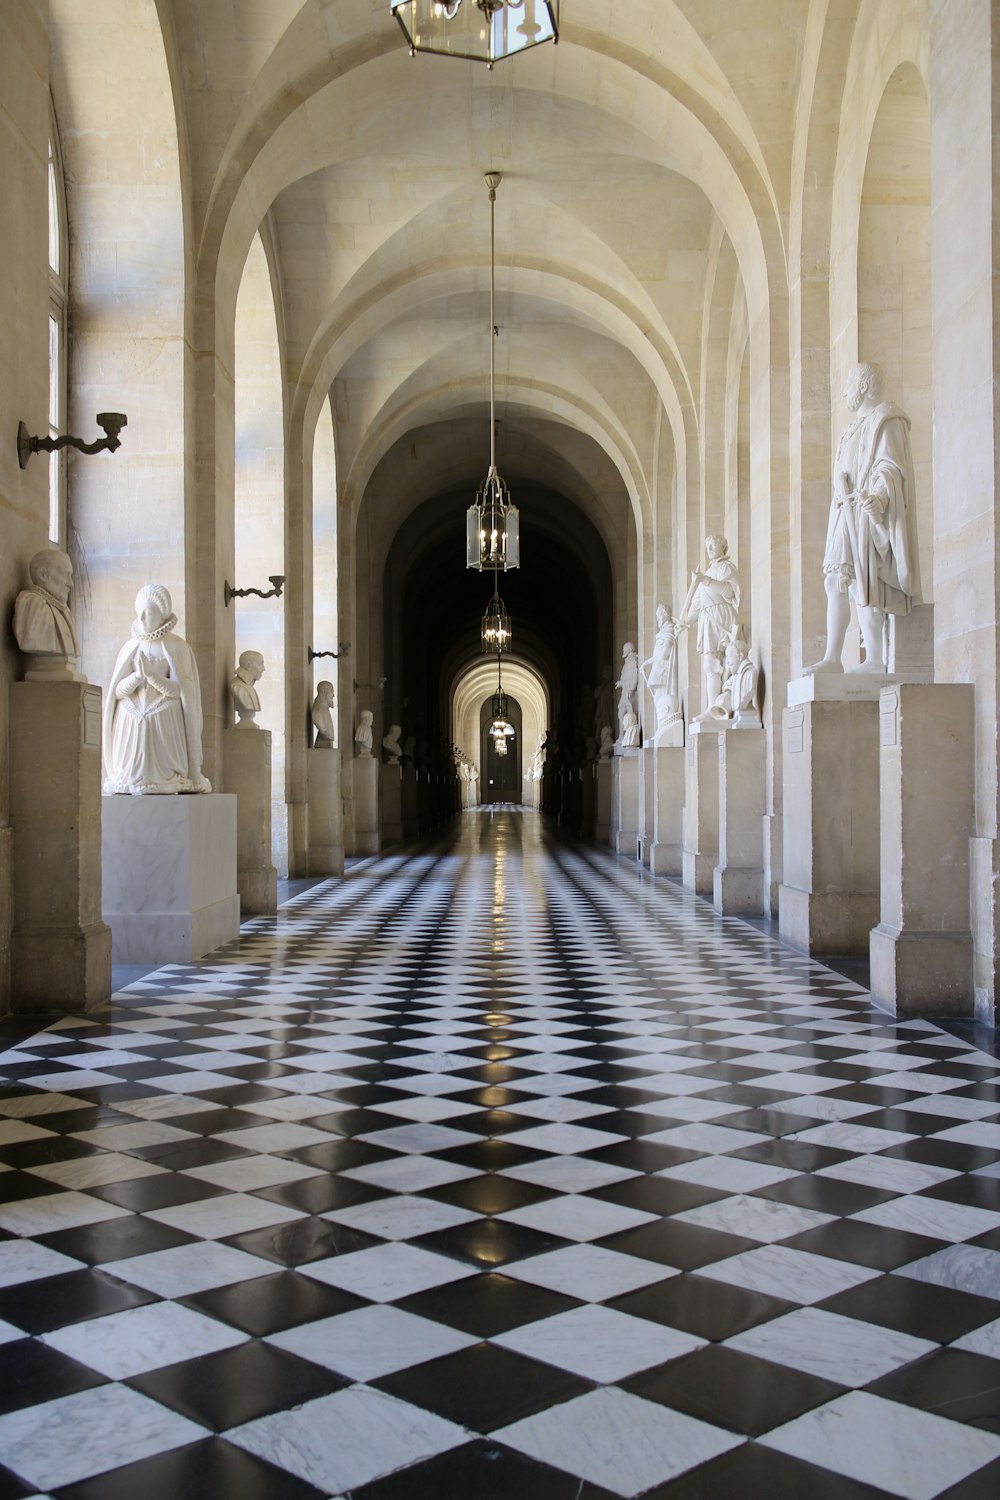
871	540
152	711
738	698
44	627
630	729
243	687
390	744
661	676
713	604
606	748
363	734
628	682
322	716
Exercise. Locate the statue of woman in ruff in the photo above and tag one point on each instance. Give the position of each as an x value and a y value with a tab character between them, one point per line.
152	713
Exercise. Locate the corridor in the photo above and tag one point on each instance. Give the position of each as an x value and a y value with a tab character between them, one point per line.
498	1171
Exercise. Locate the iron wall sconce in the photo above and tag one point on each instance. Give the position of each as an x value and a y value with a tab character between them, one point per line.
345	647
277	579
111	421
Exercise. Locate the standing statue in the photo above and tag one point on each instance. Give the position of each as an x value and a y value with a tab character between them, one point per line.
871	539
661	678
390	744
246	699
628	682
738	698
322	716
44	627
714	602
363	734
152	712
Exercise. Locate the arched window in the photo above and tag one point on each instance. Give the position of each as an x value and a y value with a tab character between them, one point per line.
58	303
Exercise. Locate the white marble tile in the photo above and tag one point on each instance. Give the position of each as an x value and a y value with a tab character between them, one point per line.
228	1214
692	1108
341	1442
984	1340
417	1138
192	1081
372	1341
843	1136
188	1269
202	1057
135	1136
143	1338
835	1348
267	1139
163	1106
387	1272
426	1109
710	1139
246	1174
401	1217
979	1133
890	1173
85	1078
82	1172
966	1268
910	1453
569	1174
763	1219
550	1084
61	1442
931	1216
575	1217
23	1260
563	1110
730	1174
293	1107
819	1107
950	1107
410	1173
795	1275
12	1131
563	1139
598	1343
55	1211
616	1440
590	1273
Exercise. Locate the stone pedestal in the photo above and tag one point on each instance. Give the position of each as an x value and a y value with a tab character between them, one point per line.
829	899
170	876
60	946
666	855
365	769
246	755
701	807
588	800
625	801
921	951
738	878
391	778
602	804
408	799
326	813
647	803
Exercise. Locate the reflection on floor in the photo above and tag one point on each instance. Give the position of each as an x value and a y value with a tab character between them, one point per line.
500	1171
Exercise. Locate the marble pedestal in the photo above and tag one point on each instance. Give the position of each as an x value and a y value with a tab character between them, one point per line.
701	807
625	801
738	878
602	803
921	951
60	947
364	771
170	876
391	779
666	855
246	758
829	899
326	813
646	804
408	801
588	800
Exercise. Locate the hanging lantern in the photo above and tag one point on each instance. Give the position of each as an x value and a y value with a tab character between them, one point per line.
483	30
495	628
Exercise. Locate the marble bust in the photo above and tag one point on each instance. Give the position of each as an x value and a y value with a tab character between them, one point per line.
871	540
152	711
630	729
660	671
713	604
246	699
628	682
605	749
363	734
44	627
322	716
390	744
738	699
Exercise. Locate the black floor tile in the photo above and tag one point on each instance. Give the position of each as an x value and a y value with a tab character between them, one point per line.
828	1195
238	1385
12	1488
670	1243
710	1309
865	1244
301	1241
144	1194
487	1305
31	1372
489	1193
489	1156
209	1470
484	1387
16	1187
270	1304
916	1307
984	1484
115	1239
951	1383
733	1390
488	1243
755	1473
75	1297
657	1195
320	1194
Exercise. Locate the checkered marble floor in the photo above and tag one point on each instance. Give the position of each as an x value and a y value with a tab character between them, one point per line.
498	1171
